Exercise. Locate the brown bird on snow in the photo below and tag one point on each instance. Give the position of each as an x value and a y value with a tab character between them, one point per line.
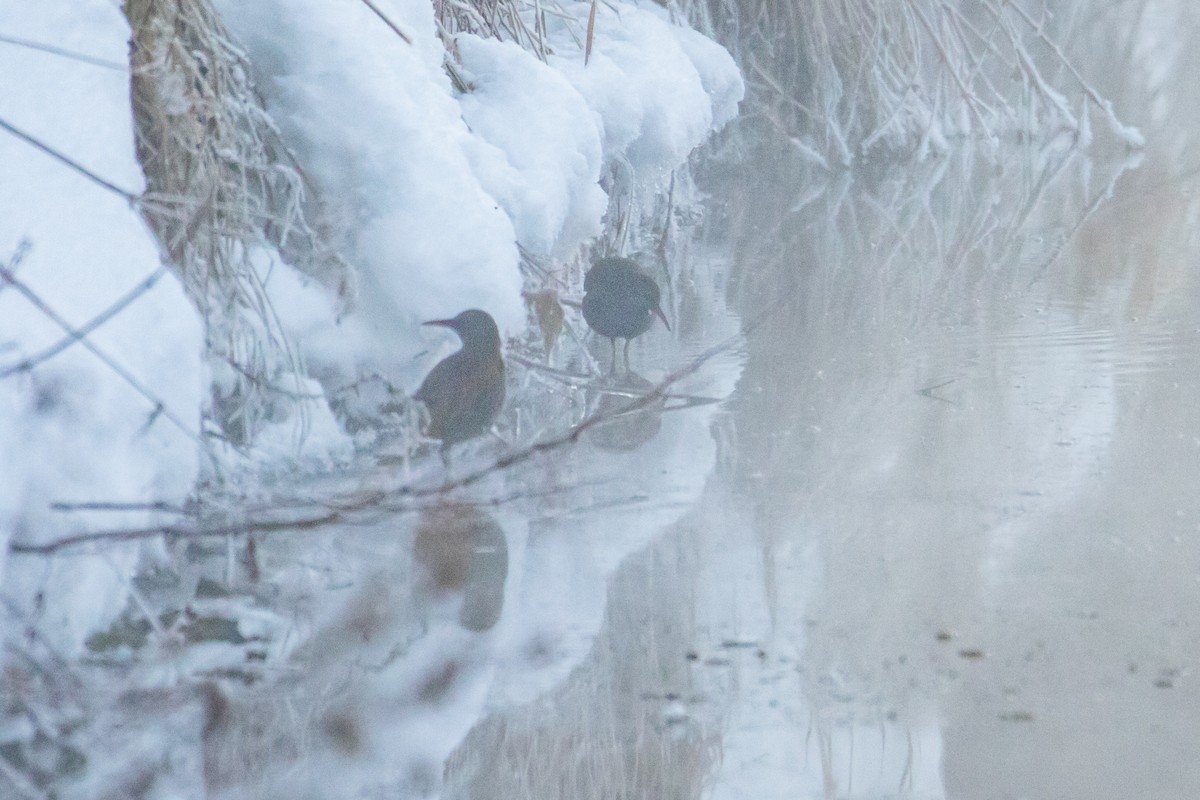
465	391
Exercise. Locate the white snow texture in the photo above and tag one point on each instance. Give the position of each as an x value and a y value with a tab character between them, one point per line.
77	428
437	190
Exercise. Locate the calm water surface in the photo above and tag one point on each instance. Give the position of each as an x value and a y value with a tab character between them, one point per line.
967	458
950	543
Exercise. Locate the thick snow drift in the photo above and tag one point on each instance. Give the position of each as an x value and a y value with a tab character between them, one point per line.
435	188
119	423
438	188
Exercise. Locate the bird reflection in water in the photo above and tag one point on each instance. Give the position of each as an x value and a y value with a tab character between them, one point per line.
623	428
461	550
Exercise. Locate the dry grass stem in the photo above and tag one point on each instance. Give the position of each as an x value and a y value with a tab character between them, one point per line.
221	189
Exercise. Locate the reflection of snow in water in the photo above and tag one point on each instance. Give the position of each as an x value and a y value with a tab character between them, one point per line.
789	731
1056	382
627	498
919	440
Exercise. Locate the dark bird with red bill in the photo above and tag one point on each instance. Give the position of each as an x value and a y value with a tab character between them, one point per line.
620	301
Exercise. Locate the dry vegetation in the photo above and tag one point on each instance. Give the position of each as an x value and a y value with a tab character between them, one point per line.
221	189
844	81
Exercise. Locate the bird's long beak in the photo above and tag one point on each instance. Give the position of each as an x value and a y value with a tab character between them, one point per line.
445	323
658	310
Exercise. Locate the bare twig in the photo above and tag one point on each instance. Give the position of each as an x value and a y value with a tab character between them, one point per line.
128	196
591	33
1132	135
387	21
102	506
8	277
62	51
14	261
182	530
968	97
343	510
32	361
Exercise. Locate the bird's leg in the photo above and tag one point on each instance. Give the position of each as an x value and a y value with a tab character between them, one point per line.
444	452
627	341
612	369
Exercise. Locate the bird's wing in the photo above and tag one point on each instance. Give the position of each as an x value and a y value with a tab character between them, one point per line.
462	398
438	393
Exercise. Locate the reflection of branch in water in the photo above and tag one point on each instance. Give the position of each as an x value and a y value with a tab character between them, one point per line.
168	508
1130	163
349	509
128	196
562	375
928	391
589	382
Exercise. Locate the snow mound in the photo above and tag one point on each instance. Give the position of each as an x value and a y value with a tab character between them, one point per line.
437	188
118	424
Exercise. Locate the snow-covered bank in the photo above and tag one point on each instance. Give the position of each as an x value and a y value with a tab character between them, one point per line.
437	188
434	193
115	417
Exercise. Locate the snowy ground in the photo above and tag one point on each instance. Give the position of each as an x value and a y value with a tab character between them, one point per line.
112	415
105	378
436	188
440	188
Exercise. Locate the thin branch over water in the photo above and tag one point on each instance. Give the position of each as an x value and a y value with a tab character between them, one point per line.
346	509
